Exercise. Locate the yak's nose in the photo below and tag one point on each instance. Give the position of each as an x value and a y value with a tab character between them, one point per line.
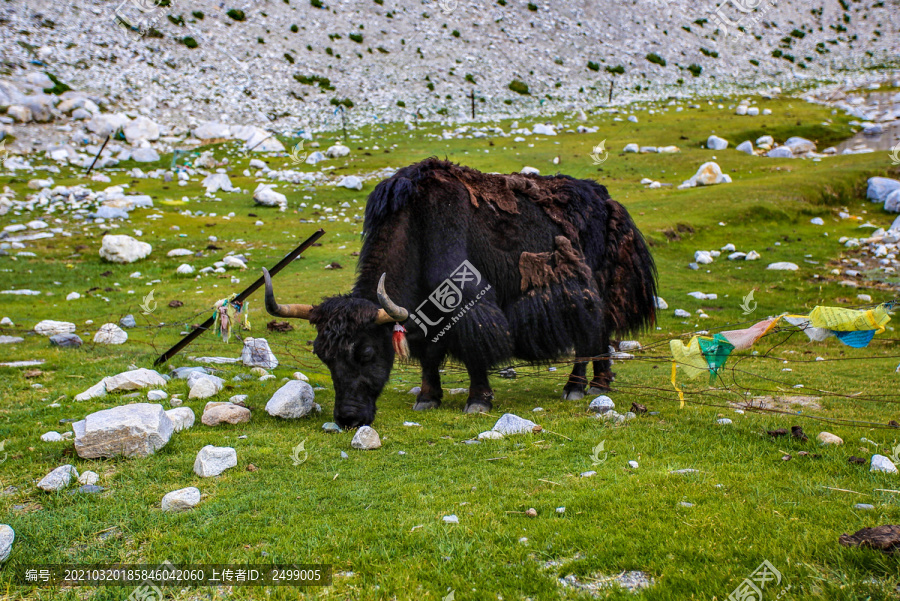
354	415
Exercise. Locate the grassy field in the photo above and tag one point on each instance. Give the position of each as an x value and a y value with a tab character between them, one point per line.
377	515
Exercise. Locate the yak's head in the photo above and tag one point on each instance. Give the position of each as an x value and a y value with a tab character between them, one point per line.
354	341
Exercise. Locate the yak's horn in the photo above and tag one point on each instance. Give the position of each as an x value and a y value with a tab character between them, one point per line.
301	311
390	311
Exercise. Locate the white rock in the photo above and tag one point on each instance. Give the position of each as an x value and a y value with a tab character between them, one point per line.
490	435
134	380
782	152
752	256
800	145
530	171
351	182
451	519
94	392
716	143
145	155
136	430
181	500
73	296
266	196
58	478
141	129
543	130
204	387
681	313
513	424
212	461
337	151
783	266
256	353
366	439
633	465
746	146
7	536
661	303
88	478
879	188
602	404
817	221
880	463
827	438
631	148
123	249
51	436
157	395
293	400
182	418
222	413
765	140
179	252
110	333
234	262
723	421
48	327
217	181
300	376
184	269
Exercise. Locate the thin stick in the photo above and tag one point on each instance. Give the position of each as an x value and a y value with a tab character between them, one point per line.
496	458
94	162
550	481
566	437
845	490
887	490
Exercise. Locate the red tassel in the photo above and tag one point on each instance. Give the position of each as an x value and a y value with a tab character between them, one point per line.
401	347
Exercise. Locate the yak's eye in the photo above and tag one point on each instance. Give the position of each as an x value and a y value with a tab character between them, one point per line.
366	354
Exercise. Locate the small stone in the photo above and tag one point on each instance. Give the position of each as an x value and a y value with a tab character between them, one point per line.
157	395
685	471
88	478
451	519
633	465
239	399
560	510
344	455
513	424
181	500
88	489
531	512
110	333
256	353
864	506
128	321
331	427
412	424
588	474
134	380
686	504
723	421
490	435
51	436
212	461
602	404
366	439
880	463
827	438
66	340
299	376
58	478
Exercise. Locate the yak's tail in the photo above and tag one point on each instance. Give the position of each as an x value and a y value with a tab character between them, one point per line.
629	286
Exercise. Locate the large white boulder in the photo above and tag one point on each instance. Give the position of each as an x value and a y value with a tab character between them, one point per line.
107	124
266	196
123	249
262	141
136	430
211	131
142	129
48	327
716	143
58	478
294	399
256	353
181	500
182	418
134	380
707	175
217	181
337	151
212	461
145	155
800	145
110	333
351	182
7	536
542	129
880	188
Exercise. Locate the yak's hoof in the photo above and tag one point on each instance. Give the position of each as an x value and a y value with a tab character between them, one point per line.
478	407
426	404
598	389
573	395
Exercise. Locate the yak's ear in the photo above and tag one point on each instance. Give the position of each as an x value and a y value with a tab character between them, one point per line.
390	310
299	311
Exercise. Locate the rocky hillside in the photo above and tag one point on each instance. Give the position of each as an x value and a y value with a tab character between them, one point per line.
289	64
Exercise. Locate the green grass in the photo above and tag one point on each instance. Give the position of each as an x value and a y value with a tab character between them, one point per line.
378	514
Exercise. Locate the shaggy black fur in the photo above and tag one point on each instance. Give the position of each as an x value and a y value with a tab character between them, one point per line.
566	265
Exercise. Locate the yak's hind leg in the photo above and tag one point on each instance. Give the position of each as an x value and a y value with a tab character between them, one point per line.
603	377
430	394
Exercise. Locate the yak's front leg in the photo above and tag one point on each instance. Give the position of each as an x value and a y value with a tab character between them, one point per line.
480	393
603	376
430	394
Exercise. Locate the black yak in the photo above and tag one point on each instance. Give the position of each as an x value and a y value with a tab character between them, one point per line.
483	268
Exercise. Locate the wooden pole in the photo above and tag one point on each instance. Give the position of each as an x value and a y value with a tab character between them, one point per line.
288	258
611	85
472	96
94	162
